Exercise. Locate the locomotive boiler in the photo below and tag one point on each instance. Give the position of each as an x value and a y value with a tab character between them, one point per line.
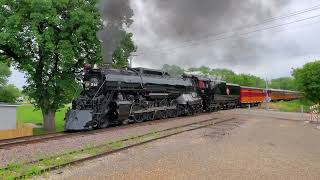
113	96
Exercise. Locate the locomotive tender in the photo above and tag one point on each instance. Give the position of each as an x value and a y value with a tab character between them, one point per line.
122	96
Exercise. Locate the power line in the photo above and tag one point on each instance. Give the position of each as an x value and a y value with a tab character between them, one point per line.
316	7
235	35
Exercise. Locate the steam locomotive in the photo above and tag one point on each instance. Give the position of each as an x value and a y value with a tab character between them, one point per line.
122	96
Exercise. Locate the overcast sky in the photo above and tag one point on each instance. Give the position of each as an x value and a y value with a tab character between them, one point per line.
184	33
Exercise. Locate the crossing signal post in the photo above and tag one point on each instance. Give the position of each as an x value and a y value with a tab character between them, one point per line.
267	99
314	113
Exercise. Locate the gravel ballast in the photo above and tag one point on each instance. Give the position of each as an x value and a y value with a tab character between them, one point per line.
35	151
261	148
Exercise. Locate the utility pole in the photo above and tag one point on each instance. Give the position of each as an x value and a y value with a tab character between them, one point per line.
267	99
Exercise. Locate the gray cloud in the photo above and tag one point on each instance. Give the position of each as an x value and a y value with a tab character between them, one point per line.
182	32
165	24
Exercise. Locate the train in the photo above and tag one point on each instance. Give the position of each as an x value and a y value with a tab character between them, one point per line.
133	95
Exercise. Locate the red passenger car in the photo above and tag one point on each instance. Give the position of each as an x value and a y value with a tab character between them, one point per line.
251	95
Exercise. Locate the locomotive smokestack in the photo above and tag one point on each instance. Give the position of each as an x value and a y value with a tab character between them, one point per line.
117	16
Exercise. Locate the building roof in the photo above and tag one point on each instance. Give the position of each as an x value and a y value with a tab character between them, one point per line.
8	105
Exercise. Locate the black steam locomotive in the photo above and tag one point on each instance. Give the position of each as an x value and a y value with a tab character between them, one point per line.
114	97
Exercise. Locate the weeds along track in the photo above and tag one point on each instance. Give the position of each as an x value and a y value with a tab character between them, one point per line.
40	166
9	143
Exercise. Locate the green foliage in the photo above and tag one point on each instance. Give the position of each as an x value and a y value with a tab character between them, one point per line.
224	74
287	83
307	79
50	40
249	80
231	77
202	69
292	106
28	114
9	94
4	73
173	70
122	53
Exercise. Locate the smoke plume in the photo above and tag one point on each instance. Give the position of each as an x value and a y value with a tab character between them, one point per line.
117	17
182	30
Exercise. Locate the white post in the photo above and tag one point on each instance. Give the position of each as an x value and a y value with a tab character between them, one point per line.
267	95
302	112
318	113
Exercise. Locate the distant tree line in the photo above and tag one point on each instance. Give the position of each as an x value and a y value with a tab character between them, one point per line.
242	79
8	92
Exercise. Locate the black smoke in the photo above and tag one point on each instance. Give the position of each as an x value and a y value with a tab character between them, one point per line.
117	17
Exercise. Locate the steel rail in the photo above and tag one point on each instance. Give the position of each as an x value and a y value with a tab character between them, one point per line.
106	153
9	143
123	140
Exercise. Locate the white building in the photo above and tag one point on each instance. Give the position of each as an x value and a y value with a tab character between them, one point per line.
8	117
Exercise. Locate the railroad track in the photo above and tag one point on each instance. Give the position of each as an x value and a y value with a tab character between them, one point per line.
6	143
9	143
108	149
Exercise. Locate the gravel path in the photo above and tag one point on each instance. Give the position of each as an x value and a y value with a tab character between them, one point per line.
36	151
262	148
272	114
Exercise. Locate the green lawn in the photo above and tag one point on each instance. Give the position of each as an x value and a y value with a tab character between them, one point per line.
292	106
27	114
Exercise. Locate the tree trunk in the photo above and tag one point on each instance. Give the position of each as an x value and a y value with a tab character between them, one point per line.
49	120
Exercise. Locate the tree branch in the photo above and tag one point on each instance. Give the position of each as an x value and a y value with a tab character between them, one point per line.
8	53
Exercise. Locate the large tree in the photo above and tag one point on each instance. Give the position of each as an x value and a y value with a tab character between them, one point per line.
49	40
121	55
308	80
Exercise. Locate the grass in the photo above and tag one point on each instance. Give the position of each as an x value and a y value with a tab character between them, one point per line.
291	106
27	114
29	170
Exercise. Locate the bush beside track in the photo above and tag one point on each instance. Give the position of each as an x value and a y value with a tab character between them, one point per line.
289	106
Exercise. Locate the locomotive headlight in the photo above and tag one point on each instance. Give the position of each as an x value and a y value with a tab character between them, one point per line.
87	84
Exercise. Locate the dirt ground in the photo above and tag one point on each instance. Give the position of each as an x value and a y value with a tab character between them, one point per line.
261	148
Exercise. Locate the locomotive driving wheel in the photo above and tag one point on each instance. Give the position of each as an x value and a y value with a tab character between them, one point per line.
139	118
172	113
104	124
